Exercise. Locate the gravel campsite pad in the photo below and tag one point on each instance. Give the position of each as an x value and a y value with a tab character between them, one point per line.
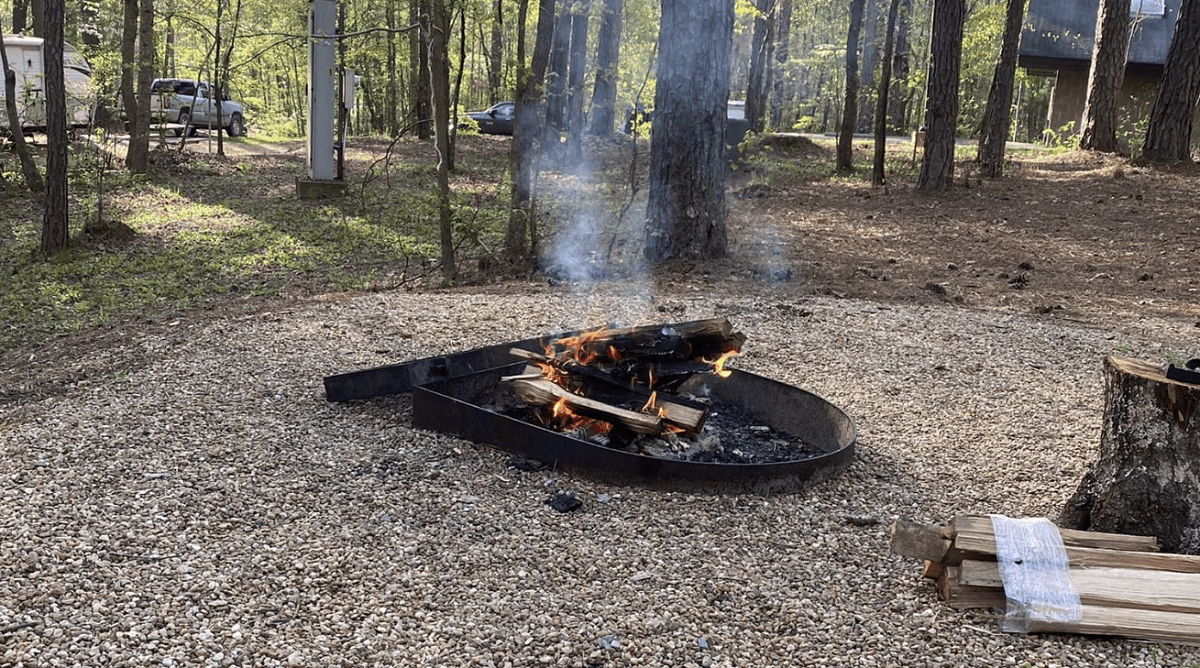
176	491
209	507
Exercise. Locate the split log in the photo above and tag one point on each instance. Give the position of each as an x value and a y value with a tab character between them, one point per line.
683	413
1146	479
540	392
1113	587
658	343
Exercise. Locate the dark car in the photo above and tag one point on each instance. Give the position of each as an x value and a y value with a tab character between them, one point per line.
496	120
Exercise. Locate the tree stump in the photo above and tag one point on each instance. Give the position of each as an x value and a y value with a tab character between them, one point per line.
1146	480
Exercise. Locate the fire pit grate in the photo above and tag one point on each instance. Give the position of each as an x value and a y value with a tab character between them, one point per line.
773	437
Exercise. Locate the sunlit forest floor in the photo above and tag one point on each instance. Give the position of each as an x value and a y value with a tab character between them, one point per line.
1069	235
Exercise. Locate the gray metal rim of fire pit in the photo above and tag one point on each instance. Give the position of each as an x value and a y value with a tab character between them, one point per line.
453	406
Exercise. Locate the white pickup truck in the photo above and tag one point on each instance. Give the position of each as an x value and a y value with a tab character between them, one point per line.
190	104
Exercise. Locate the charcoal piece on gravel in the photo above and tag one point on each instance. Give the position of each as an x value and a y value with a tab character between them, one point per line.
527	465
564	503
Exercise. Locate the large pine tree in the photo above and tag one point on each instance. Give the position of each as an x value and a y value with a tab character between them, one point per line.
1107	74
941	98
1169	135
688	161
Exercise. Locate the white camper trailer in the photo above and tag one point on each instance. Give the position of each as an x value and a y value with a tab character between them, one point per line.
25	57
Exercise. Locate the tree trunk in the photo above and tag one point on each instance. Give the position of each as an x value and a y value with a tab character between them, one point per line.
37	10
496	57
1109	52
391	97
1146	480
575	120
129	33
941	98
137	157
420	61
898	106
20	14
866	79
557	75
29	168
782	32
878	176
1169	135
760	64
608	51
998	114
521	240
688	161
439	80
845	144
55	222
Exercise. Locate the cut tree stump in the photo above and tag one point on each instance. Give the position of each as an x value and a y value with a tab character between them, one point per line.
1146	479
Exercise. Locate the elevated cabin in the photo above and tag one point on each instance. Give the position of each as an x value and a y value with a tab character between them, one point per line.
1057	41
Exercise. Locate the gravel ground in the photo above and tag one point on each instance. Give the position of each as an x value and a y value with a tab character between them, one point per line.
202	505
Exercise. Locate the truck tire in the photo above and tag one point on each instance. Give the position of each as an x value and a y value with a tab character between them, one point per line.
237	126
185	119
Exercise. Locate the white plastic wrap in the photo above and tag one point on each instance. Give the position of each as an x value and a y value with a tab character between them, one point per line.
1035	571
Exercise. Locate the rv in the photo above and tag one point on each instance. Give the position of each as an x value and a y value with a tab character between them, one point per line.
25	57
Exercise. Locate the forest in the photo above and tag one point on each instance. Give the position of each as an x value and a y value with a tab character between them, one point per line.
264	50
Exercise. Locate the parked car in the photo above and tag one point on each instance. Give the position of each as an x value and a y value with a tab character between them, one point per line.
25	57
190	103
496	119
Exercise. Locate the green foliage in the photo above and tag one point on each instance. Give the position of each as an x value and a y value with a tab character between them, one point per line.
214	230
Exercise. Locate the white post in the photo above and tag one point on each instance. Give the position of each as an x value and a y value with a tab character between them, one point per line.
322	26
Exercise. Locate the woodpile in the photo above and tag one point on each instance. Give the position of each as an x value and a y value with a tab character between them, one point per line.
623	378
1125	586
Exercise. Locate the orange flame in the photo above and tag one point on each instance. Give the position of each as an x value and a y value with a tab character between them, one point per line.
650	403
719	365
559	409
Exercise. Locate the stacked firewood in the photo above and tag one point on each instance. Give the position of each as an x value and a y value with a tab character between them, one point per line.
1125	586
624	378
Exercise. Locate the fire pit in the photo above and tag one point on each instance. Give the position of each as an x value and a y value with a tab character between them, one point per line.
714	430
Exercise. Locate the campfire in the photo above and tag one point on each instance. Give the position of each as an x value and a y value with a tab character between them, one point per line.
621	388
654	405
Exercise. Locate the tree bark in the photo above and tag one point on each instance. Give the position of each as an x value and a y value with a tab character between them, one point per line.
1169	135
521	239
20	14
878	176
496	57
898	106
439	80
782	32
128	89
760	64
845	144
608	52
559	71
688	162
29	168
866	78
998	114
1146	480
941	99
55	222
137	157
419	54
578	65
1109	52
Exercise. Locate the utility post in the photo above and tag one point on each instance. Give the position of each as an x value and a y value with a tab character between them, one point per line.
322	45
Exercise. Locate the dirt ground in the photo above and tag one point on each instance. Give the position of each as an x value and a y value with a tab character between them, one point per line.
1078	236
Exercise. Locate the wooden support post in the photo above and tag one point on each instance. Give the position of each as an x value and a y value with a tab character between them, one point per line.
1146	479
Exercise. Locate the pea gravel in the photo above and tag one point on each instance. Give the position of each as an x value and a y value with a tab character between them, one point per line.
201	504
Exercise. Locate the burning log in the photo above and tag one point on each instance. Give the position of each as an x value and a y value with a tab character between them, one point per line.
603	373
668	415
